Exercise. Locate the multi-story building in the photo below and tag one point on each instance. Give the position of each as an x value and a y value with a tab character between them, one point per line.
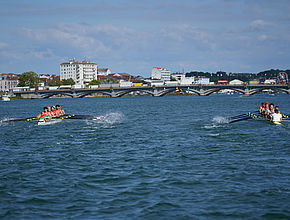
104	72
201	80
8	81
178	76
160	74
81	72
183	80
122	76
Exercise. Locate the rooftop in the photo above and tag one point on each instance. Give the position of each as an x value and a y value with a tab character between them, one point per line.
76	62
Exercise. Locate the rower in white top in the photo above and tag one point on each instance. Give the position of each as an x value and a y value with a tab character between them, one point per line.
276	118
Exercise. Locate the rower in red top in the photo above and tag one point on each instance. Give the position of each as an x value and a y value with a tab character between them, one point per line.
50	112
59	110
45	115
53	111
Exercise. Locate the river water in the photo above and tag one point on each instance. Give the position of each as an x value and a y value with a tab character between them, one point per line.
172	157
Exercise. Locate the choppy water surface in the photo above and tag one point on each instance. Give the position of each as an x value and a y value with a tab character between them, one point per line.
150	158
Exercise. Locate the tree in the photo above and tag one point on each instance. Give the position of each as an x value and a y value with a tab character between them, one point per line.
140	81
69	81
110	80
95	82
172	78
30	79
55	82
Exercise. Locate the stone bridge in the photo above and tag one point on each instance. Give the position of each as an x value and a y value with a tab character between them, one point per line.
201	90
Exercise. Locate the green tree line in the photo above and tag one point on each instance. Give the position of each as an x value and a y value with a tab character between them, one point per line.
32	80
268	74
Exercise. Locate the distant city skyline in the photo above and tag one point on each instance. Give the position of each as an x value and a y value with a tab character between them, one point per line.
135	36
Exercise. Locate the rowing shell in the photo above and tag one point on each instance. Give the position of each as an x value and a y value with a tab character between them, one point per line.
50	122
260	117
82	117
250	115
276	122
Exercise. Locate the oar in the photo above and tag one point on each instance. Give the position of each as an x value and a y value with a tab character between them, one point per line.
72	116
242	115
82	117
248	116
241	119
19	119
88	117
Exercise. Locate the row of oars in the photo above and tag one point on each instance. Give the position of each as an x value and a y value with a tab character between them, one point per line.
252	115
242	117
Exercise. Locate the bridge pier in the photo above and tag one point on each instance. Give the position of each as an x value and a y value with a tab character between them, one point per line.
155	93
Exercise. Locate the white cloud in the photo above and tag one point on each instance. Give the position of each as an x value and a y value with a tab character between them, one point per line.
3	45
260	25
187	35
263	37
125	48
87	39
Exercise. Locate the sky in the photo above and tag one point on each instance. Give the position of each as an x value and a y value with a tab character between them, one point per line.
133	36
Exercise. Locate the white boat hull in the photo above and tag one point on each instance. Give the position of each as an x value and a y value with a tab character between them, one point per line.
50	122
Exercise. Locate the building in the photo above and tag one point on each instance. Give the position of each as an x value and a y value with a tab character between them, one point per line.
201	80
81	72
160	74
178	76
270	81
122	76
45	79
183	80
236	82
254	82
222	82
104	72
8	81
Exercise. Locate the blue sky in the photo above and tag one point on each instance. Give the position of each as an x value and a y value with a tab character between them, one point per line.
134	36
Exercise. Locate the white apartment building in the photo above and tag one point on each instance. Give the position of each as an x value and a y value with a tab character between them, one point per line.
183	80
160	74
8	82
178	76
81	72
201	80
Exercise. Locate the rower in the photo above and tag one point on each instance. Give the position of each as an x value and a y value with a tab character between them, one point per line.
50	112
60	111
276	117
53	111
262	107
271	109
44	115
266	109
277	108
